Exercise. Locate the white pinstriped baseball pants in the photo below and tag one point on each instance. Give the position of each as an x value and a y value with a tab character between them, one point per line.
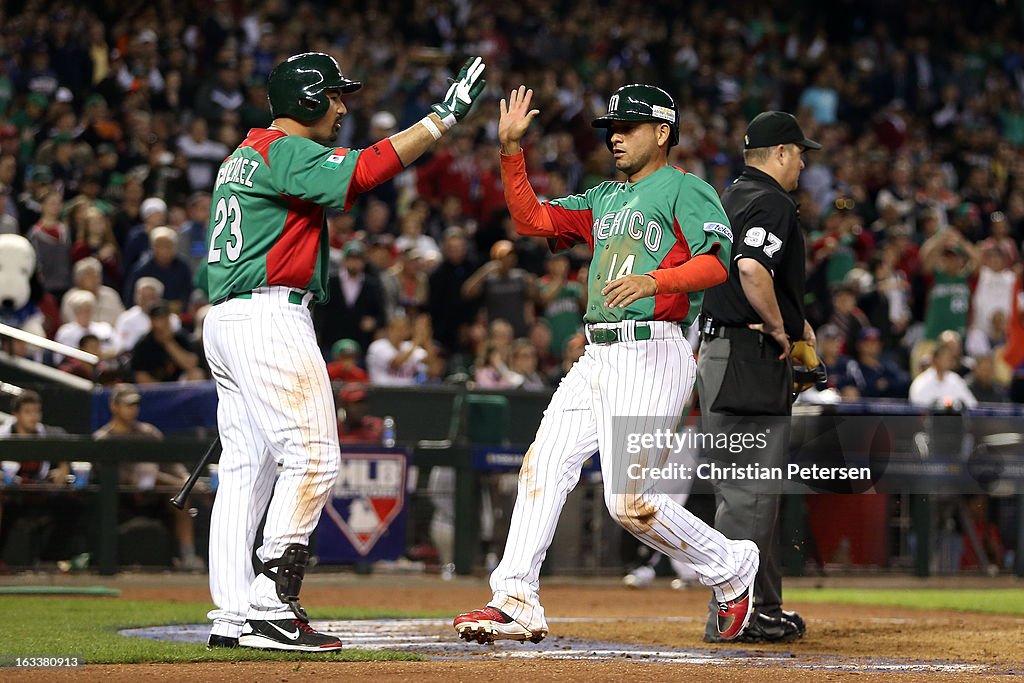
648	382
275	407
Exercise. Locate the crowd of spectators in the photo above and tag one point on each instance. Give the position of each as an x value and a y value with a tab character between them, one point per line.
113	121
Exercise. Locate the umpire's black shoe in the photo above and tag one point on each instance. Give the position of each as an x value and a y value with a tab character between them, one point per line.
216	641
783	627
286	634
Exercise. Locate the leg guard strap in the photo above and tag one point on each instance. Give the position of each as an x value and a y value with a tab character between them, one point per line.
291	568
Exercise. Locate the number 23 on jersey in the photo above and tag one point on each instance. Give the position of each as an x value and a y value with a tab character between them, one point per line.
227	214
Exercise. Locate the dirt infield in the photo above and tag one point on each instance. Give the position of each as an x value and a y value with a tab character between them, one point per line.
656	616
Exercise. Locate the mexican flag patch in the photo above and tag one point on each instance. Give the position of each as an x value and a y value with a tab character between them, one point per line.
333	161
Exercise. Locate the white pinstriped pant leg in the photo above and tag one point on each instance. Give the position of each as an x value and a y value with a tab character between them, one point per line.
648	383
292	396
567	436
246	481
283	381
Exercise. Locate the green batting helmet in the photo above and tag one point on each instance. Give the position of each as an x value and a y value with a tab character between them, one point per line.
639	102
296	86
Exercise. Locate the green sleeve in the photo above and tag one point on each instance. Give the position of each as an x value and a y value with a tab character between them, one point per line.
703	221
307	170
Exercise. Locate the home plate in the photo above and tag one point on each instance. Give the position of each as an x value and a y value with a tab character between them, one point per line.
435	639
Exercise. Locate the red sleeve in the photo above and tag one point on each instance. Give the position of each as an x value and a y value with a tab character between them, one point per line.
529	216
696	274
376	164
564	227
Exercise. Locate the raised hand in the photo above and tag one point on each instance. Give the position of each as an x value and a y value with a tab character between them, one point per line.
462	93
515	118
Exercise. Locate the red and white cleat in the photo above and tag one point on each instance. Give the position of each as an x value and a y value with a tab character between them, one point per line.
489	624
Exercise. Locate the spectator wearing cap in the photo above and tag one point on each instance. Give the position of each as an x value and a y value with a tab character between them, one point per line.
383	124
52	243
870	375
125	404
88	277
354	424
446	289
846	315
140	68
413	284
82	307
133	324
165	265
355	309
830	350
163	355
344	365
153	213
38	185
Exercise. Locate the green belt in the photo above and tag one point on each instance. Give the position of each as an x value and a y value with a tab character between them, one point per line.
294	296
604	335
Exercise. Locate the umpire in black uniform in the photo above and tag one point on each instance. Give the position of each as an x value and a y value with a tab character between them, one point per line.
744	375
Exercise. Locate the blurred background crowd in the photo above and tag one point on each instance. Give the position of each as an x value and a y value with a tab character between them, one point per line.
114	117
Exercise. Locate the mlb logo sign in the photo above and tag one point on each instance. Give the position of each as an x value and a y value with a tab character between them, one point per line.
368	497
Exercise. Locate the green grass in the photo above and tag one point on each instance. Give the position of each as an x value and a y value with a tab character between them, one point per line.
989	601
87	628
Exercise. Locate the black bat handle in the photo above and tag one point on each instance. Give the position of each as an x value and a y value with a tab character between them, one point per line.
181	496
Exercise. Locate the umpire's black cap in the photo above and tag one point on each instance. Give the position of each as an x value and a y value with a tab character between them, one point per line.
772	128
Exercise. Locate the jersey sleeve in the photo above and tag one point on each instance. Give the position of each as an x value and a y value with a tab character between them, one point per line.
704	222
304	169
765	231
572	219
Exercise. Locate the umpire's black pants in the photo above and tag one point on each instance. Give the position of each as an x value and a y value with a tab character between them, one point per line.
748	509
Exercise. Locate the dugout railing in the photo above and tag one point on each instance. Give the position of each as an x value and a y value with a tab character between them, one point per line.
450	426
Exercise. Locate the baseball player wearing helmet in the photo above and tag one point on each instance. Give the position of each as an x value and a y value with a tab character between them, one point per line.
268	262
659	239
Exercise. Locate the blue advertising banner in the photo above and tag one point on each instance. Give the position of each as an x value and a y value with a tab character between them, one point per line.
503	459
365	518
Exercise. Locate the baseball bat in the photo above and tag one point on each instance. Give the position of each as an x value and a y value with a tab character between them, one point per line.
181	496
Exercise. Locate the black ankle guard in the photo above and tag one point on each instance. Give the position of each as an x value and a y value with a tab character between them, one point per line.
288	578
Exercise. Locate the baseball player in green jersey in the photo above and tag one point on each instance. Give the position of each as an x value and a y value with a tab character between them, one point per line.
268	261
659	239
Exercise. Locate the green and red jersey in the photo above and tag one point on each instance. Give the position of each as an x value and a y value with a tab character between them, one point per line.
660	221
267	211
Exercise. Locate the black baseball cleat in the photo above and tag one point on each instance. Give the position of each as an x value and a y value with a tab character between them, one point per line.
216	641
783	627
286	634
